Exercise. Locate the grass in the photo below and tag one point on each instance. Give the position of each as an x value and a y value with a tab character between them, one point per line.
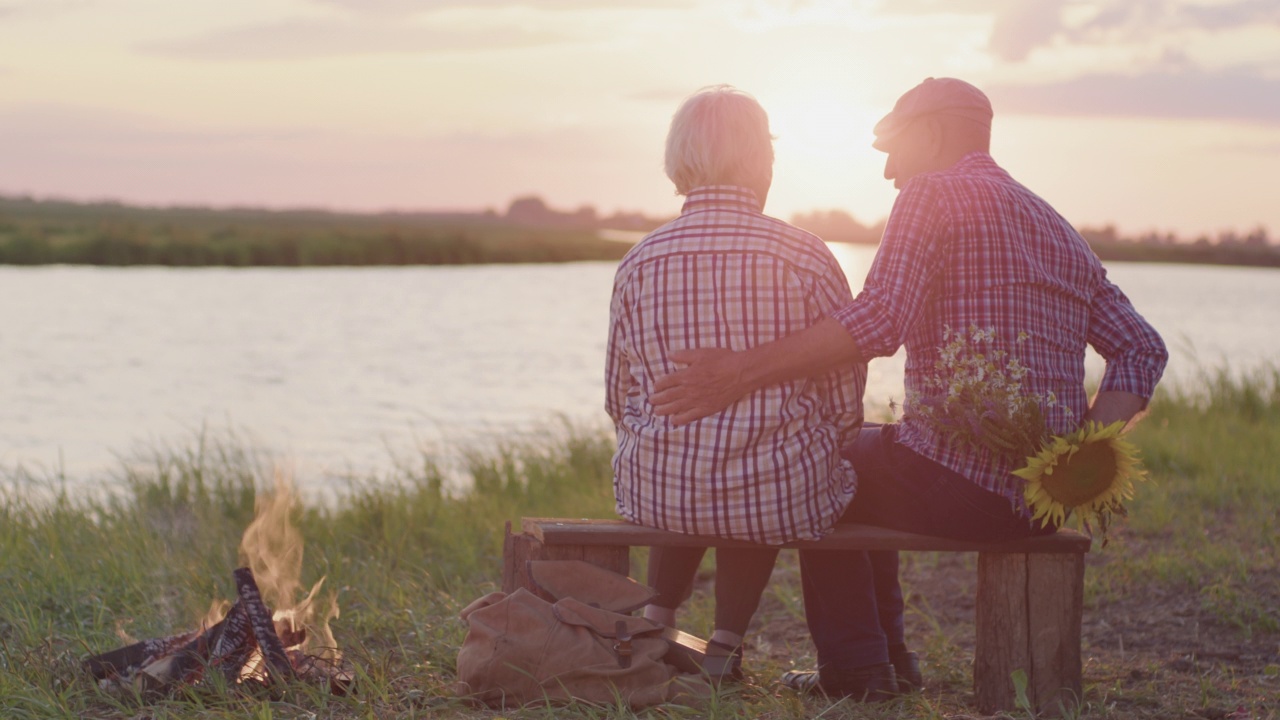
1182	613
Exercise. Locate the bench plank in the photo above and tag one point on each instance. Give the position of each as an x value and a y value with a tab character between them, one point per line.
1028	606
595	531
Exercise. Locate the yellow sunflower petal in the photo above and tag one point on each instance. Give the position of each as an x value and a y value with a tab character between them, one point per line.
1096	470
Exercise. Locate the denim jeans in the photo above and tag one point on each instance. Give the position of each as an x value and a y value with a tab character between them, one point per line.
852	599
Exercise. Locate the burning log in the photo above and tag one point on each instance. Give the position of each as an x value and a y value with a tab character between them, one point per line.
251	644
263	626
247	643
322	670
129	659
185	664
234	645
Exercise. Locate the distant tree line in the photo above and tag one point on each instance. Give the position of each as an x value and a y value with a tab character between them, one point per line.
532	210
1226	248
838	226
44	232
35	232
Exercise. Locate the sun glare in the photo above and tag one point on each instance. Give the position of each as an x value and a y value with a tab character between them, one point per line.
823	147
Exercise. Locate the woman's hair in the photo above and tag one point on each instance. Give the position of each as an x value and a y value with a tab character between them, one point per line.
720	136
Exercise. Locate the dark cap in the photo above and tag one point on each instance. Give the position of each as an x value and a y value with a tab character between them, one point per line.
934	96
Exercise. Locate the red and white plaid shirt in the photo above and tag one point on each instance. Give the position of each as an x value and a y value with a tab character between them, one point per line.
970	246
768	468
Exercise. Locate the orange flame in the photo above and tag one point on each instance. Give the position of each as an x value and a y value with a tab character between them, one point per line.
272	548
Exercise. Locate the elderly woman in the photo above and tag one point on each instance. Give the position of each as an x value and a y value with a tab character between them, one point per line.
768	468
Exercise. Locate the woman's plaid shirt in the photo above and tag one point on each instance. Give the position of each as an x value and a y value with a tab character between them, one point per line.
767	469
970	246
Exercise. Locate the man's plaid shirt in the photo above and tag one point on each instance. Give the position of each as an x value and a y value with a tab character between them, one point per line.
970	246
767	469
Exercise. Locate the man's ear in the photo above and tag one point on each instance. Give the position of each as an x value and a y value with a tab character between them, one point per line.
934	137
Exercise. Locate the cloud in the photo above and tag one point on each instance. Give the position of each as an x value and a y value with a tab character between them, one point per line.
18	8
933	7
1246	12
411	7
1142	16
1252	149
316	38
1239	94
82	152
1021	26
1025	27
666	95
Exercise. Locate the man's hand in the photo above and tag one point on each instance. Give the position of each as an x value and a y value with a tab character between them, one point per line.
712	382
1113	406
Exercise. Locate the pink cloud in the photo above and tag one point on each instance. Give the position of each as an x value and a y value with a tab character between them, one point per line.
82	153
318	38
1241	94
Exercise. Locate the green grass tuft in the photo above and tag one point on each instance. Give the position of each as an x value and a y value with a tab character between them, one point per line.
405	554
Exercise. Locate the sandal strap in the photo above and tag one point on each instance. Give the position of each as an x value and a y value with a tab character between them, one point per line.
803	681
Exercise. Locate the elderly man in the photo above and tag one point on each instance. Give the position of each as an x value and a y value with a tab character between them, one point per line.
966	246
767	469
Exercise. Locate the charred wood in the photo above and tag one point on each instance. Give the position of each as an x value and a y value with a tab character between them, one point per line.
234	644
123	662
319	670
185	664
263	626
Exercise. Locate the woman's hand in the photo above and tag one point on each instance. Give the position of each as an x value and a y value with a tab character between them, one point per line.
717	378
712	382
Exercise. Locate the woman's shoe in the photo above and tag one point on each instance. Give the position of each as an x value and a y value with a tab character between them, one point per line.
722	662
868	683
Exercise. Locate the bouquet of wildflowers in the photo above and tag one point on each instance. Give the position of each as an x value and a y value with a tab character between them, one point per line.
977	397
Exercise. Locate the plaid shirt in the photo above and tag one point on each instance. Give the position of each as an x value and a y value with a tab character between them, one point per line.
970	246
768	468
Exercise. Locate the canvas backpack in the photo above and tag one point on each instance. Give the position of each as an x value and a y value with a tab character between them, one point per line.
522	649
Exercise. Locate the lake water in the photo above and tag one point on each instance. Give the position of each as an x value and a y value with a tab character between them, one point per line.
350	371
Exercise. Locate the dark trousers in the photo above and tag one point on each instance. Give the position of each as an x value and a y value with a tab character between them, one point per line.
741	576
852	599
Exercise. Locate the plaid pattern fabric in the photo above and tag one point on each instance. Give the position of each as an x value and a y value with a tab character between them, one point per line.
970	246
768	468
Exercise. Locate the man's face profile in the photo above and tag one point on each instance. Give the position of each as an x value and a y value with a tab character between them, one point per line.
910	153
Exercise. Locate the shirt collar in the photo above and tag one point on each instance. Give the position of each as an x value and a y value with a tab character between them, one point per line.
976	160
725	197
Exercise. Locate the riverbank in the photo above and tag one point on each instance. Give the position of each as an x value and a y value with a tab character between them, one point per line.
47	232
1181	614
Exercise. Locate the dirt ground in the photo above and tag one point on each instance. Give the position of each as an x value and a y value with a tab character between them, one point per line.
1155	652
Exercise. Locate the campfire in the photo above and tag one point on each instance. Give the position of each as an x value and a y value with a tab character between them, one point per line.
246	642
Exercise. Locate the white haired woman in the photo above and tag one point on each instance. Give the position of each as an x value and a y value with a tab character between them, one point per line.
766	470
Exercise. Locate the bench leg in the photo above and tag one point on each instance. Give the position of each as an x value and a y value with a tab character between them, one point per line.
519	549
1028	618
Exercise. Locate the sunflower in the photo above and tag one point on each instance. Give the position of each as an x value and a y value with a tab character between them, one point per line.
1090	472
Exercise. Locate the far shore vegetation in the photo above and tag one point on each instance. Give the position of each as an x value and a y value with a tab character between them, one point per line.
1181	619
45	232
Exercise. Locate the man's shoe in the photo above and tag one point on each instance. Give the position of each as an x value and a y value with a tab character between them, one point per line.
868	683
906	666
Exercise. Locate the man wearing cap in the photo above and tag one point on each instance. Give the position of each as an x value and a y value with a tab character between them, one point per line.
966	248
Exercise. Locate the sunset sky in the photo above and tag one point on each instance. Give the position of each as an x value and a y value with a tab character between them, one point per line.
1150	114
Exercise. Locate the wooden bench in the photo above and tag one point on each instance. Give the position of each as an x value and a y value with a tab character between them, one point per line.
1029	601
